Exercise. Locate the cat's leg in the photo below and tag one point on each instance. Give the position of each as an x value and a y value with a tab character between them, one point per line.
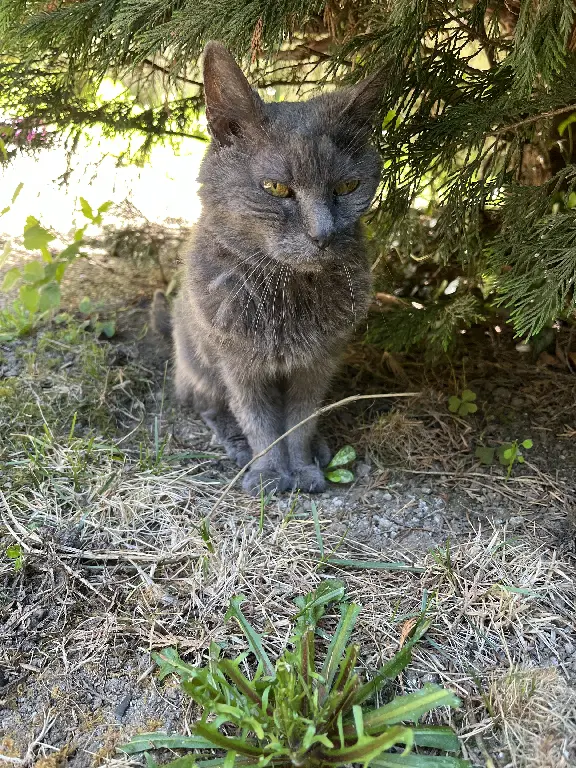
256	402
307	450
198	383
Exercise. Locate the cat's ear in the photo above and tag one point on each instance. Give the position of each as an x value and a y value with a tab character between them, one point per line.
363	99
233	108
354	110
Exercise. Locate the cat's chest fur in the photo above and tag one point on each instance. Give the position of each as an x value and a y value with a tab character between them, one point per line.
282	315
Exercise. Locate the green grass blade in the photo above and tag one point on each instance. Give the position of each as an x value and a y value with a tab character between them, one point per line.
395	665
314	509
437	737
338	644
346	668
385	674
144	741
418	761
312	605
254	639
409	707
378	565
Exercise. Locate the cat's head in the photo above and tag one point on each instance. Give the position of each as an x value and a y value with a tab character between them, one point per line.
286	181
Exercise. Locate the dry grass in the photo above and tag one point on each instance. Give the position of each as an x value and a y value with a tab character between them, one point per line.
117	554
537	712
137	569
420	434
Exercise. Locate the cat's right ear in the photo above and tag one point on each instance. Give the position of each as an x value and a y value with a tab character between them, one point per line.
233	108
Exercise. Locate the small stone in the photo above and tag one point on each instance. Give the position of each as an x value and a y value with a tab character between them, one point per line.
422	506
426	491
386	496
516	522
362	469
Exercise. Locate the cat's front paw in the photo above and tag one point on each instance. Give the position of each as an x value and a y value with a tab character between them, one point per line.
309	479
321	451
266	481
238	450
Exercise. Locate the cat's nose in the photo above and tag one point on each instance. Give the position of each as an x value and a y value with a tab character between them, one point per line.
322	241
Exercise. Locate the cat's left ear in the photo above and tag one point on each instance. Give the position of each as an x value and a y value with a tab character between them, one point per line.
361	101
233	108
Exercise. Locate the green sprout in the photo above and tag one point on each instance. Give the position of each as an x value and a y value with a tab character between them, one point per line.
464	404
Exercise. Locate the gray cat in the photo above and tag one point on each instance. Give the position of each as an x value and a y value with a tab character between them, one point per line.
278	273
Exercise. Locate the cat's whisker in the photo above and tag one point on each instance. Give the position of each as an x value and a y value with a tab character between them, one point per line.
350	286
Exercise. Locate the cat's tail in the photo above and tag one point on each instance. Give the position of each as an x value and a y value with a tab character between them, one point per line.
160	316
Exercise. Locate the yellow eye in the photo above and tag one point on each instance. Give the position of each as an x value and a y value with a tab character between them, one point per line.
276	188
345	187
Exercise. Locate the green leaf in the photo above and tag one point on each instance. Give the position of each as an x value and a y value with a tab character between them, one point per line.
11	278
343	457
418	761
86	209
338	645
436	737
367	749
17	192
454	403
392	668
105	206
108	328
49	297
565	123
468	396
254	639
527	444
150	762
340	476
144	741
219	740
170	663
14	553
507	453
30	297
70	252
409	707
520	459
327	592
232	671
33	272
467	408
6	251
60	269
3	152
85	305
35	236
378	565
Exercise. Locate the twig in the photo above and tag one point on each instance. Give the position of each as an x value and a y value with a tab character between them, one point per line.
319	412
533	119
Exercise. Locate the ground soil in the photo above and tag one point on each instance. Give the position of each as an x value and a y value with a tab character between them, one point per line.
76	676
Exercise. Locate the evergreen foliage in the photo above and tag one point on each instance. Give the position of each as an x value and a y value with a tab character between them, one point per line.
478	123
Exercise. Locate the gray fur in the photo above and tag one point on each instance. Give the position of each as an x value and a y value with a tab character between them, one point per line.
272	287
